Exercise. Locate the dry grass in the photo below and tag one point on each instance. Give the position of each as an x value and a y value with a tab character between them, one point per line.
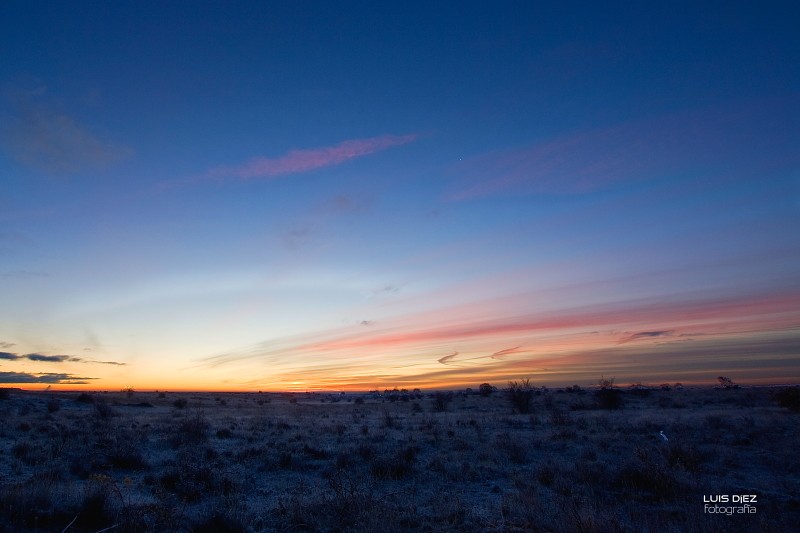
273	462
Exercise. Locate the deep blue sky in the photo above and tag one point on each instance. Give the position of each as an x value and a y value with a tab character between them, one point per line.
316	194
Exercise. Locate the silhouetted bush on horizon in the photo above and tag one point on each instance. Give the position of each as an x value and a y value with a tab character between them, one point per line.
520	393
485	389
607	396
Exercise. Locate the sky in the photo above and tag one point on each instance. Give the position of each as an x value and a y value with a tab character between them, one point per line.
292	196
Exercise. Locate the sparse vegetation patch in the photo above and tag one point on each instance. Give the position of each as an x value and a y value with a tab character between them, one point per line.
259	463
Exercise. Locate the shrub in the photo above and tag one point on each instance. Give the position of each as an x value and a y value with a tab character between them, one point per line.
726	383
485	389
285	460
84	398
94	509
788	398
53	405
517	451
649	474
126	457
389	420
398	466
607	396
180	403
546	474
559	417
193	430
219	523
520	394
5	393
102	409
25	452
441	400
315	453
122	450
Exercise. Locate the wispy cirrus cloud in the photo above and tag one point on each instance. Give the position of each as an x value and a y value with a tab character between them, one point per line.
305	160
558	343
749	140
38	134
503	353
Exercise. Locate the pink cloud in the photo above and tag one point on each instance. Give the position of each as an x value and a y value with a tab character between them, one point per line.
305	160
562	329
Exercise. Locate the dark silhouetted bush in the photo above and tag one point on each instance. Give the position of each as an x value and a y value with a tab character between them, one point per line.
397	466
515	448
219	523
607	396
789	398
126	456
315	453
53	405
94	513
84	398
285	460
520	393
180	403
441	400
650	475
192	430
726	383
485	389
102	409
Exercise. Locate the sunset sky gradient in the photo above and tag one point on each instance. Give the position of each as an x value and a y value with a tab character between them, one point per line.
348	196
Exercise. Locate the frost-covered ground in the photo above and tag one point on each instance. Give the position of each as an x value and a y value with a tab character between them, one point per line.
275	462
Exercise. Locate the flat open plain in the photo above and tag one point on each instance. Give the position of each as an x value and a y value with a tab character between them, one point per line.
150	461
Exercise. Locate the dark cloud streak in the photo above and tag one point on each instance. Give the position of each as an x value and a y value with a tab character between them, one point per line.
444	360
647	335
41	358
51	378
50	358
